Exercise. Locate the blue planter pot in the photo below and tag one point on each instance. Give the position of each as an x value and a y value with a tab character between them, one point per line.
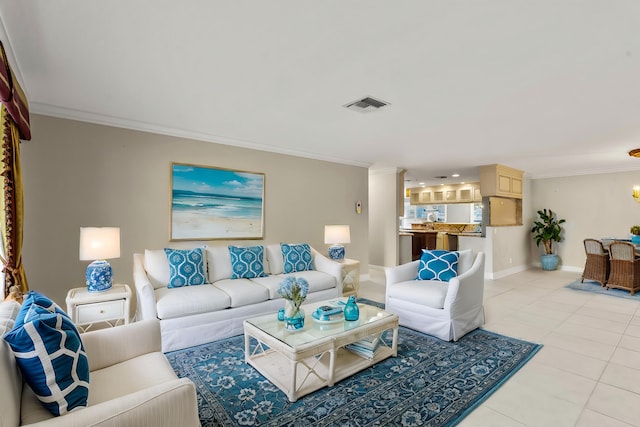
635	239
549	262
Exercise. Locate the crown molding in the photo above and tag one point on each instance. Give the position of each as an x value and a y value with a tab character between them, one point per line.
119	122
581	172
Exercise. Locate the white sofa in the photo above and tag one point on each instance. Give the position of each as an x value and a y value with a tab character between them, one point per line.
447	310
194	315
131	382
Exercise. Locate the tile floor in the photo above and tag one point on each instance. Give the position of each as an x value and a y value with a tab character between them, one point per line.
587	373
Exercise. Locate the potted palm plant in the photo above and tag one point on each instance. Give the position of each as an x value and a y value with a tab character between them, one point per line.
546	230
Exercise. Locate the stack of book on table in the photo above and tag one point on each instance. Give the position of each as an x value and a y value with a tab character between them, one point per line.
328	313
366	347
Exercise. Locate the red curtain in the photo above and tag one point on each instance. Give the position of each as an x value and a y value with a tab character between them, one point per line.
14	119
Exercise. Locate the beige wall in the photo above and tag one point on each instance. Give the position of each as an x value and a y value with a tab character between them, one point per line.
79	174
593	205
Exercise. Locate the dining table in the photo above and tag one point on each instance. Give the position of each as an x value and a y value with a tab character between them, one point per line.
607	241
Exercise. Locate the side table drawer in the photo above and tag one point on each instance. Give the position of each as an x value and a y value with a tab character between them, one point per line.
100	312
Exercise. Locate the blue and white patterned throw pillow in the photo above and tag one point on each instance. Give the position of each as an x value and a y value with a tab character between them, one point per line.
33	297
50	355
186	267
296	257
247	262
438	265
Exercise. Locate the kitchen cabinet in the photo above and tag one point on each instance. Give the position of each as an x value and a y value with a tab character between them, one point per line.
454	193
500	180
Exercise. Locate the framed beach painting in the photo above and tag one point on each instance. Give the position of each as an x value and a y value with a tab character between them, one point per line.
210	203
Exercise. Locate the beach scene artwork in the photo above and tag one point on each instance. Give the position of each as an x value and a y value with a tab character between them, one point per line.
210	203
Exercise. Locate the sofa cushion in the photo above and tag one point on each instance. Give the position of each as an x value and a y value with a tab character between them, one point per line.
242	291
143	371
438	265
10	379
186	267
427	293
50	355
180	302
296	257
318	281
219	263
247	262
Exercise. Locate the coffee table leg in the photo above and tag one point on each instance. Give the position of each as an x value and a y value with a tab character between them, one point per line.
247	349
292	395
332	367
394	345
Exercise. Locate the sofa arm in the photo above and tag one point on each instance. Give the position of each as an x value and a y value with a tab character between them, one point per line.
401	273
172	403
106	347
326	265
466	290
145	293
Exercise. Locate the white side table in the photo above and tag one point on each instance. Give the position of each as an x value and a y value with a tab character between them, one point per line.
90	308
350	276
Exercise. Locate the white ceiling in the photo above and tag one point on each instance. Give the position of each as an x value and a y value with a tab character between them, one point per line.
551	87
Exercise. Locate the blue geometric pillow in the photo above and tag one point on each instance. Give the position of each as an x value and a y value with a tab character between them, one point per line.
438	265
50	355
296	257
186	267
246	262
33	297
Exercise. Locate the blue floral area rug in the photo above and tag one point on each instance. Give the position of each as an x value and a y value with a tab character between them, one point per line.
596	288
429	383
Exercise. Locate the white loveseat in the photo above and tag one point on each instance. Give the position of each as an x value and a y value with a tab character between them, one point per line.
131	382
447	310
193	315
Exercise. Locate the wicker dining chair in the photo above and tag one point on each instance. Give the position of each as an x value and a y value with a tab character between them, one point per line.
625	267
596	267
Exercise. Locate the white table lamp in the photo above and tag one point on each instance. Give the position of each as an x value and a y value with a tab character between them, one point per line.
98	244
336	236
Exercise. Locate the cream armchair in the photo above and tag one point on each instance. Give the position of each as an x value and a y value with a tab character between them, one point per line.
447	310
131	382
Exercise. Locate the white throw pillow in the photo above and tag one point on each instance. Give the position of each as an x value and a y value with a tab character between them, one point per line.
156	265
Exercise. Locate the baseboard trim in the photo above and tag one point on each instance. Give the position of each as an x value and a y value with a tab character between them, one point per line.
569	268
504	273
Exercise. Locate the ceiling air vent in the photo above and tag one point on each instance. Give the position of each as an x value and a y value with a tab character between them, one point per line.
366	105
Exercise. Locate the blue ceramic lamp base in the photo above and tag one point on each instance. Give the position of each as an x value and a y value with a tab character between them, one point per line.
336	252
99	276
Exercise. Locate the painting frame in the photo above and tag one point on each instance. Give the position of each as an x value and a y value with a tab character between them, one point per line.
214	203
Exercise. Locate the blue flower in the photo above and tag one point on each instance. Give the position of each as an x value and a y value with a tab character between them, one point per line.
294	289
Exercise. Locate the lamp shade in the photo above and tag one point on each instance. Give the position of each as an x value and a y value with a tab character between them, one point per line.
337	234
99	243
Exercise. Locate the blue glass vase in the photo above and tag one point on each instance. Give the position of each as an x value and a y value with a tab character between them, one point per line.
293	317
351	310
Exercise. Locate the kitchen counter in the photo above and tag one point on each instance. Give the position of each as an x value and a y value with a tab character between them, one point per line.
468	234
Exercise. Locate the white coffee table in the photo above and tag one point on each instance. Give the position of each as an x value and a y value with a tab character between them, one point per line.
299	363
